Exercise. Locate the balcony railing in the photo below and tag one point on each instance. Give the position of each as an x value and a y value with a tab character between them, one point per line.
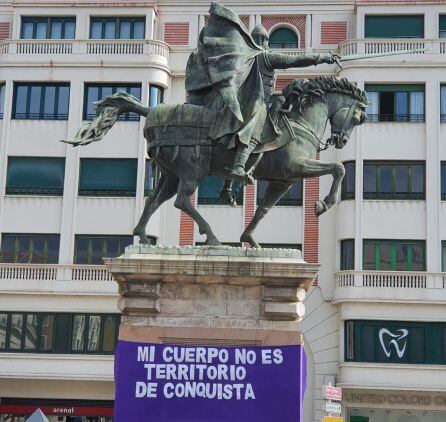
54	272
156	49
371	46
391	279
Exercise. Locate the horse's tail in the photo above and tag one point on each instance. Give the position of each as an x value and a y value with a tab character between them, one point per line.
107	112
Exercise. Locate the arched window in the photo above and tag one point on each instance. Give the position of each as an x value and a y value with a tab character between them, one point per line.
283	38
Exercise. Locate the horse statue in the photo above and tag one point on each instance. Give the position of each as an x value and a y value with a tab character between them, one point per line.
178	142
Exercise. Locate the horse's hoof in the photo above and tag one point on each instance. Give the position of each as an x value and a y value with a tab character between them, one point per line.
213	242
319	208
247	238
228	197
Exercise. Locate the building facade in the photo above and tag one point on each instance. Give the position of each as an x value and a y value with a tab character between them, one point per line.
376	319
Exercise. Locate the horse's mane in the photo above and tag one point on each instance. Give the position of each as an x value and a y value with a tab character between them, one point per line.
301	92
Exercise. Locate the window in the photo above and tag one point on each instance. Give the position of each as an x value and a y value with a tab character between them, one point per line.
394	255
443	103
443	180
151	177
443	255
58	333
393	342
395	103
124	28
156	95
96	92
30	248
348	182
281	246
108	177
442	26
347	254
394	26
394	180
41	101
283	38
210	188
35	176
90	249
292	198
57	27
2	99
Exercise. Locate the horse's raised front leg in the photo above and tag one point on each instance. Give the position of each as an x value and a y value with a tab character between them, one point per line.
274	192
315	168
185	191
166	188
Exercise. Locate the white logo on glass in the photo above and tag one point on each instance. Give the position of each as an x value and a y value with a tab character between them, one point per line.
388	339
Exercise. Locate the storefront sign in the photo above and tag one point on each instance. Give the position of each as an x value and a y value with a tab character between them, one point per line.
333	419
395	399
332	393
157	382
393	340
331	407
24	409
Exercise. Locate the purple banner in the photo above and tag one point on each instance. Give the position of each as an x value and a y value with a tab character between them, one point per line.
183	383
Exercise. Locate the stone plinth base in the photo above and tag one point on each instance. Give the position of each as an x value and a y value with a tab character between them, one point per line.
210	295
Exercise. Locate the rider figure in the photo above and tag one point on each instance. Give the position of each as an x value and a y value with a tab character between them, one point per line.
239	90
268	62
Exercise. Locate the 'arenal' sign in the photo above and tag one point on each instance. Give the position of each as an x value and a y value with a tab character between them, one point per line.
158	382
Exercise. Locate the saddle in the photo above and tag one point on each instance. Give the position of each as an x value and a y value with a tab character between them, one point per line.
192	125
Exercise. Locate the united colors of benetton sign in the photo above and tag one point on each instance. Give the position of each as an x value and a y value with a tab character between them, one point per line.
156	382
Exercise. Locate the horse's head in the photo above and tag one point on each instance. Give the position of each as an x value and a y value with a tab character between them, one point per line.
340	101
344	119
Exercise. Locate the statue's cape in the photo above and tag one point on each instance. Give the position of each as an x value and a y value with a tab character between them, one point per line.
225	62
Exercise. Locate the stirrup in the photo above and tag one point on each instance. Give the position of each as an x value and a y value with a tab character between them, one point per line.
227	195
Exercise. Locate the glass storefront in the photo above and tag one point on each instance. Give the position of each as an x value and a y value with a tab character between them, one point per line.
381	415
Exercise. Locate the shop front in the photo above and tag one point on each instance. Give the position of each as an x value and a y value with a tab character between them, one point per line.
18	410
394	406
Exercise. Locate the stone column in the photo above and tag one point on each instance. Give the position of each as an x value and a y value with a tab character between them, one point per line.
206	295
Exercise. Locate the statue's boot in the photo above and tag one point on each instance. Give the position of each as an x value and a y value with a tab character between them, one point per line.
241	157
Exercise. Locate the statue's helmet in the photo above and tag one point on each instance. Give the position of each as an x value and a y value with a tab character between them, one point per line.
260	36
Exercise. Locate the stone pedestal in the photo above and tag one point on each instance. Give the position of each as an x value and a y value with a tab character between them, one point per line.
208	295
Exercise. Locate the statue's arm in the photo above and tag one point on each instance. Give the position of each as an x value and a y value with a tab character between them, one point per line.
284	61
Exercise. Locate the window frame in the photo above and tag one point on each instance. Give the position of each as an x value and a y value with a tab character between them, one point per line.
284	44
285	201
393	196
92	237
343	254
117	20
49	21
34	191
394	89
392	17
434	349
127	117
159	95
15	251
108	193
41	115
345	193
2	99
393	253
443	104
71	315
217	200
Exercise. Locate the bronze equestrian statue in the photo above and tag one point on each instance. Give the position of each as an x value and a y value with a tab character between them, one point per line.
189	141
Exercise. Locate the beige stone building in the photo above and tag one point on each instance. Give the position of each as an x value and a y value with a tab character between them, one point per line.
375	321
